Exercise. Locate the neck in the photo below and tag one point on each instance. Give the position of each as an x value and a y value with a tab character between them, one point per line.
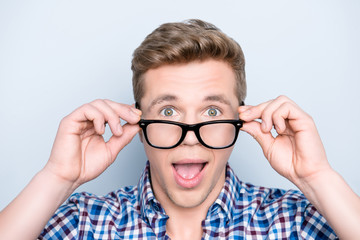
185	222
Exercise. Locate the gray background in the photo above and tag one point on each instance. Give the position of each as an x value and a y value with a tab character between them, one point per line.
58	55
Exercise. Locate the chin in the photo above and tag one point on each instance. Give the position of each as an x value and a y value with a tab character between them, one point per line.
184	201
190	198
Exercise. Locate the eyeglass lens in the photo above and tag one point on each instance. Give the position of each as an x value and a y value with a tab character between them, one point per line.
214	135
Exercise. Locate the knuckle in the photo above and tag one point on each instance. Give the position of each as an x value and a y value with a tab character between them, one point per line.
86	107
309	121
267	114
107	101
287	105
282	98
65	120
97	101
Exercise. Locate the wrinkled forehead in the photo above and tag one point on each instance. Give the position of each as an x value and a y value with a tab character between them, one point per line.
190	84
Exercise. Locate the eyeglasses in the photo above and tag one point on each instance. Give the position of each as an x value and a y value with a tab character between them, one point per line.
218	134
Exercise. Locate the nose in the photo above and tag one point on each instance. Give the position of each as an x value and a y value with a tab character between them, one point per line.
190	139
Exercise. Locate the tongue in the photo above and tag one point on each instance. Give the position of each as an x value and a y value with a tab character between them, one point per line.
188	171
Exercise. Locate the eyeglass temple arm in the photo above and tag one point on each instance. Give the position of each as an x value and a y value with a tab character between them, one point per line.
137	105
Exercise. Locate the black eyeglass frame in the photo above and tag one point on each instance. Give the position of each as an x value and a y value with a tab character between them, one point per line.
191	127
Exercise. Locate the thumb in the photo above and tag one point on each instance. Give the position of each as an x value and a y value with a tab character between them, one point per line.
117	143
264	139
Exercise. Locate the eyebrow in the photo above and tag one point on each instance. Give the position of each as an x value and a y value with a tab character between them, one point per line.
168	98
162	98
217	98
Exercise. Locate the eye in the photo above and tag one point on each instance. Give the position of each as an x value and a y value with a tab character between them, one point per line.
212	112
168	112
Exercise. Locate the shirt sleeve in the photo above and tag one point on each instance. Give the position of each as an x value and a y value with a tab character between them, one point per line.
292	216
314	225
63	224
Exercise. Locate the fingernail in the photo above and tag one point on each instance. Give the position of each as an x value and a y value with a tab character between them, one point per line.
136	111
243	109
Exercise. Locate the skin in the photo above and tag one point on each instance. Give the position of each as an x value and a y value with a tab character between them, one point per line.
188	89
80	154
297	153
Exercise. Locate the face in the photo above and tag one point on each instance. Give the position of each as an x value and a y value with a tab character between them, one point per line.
189	174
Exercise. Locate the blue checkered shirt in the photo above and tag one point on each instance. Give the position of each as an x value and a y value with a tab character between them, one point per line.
241	211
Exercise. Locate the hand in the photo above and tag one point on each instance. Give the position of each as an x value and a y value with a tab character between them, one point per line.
296	152
79	153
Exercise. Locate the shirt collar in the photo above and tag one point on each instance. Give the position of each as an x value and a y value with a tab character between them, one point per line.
146	196
226	200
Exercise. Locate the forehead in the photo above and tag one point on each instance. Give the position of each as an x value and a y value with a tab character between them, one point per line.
211	80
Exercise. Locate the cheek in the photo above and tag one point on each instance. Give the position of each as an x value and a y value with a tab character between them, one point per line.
159	158
159	165
221	156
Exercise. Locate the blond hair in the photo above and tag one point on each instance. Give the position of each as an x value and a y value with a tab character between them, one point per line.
183	42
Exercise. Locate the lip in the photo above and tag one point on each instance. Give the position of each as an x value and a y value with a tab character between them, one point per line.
193	182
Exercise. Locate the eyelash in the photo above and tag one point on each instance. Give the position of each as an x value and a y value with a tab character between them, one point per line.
166	107
161	112
216	108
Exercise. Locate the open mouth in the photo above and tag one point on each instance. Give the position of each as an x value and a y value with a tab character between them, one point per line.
189	170
189	174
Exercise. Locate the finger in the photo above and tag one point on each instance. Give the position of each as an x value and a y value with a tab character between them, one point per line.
280	117
117	143
268	111
244	108
264	139
127	112
249	113
111	117
264	111
290	118
87	114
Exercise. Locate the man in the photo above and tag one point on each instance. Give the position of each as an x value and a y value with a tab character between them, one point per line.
189	87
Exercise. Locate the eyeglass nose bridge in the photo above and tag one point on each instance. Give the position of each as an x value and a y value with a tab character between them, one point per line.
193	128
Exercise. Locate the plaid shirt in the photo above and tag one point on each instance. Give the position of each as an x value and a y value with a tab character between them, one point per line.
241	211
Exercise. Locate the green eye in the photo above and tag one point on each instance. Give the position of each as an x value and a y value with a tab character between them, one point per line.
212	112
168	112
